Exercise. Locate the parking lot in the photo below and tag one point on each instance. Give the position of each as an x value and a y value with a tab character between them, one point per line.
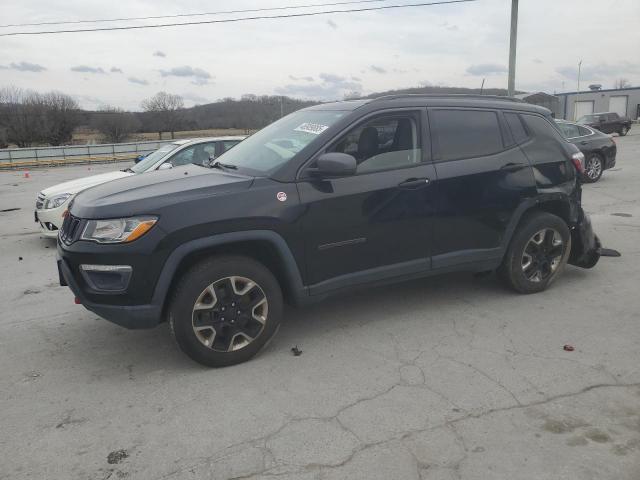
442	378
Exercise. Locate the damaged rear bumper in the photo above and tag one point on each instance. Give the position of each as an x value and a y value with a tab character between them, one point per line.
586	248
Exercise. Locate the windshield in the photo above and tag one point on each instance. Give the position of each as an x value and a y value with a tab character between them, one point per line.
589	119
277	143
150	160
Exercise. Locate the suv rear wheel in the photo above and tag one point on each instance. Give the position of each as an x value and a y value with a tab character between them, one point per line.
225	309
538	252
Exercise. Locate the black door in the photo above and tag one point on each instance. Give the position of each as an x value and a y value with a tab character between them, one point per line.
375	224
483	176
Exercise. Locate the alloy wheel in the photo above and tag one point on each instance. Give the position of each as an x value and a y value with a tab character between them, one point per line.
542	255
594	167
229	314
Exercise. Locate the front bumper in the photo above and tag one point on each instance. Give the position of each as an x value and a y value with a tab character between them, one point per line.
50	220
128	316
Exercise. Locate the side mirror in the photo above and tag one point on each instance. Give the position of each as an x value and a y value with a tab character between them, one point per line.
335	164
165	166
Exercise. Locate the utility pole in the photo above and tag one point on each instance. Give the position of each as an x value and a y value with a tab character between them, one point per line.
512	48
575	103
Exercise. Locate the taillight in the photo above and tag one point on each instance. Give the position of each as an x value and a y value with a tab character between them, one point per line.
578	161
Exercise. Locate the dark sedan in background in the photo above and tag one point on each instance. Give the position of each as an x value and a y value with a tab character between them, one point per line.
599	148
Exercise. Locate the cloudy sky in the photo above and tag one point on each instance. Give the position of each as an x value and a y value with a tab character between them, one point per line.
321	57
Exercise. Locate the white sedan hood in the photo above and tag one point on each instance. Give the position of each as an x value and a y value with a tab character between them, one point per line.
76	186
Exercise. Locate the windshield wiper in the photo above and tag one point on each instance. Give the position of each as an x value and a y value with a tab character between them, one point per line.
127	170
218	164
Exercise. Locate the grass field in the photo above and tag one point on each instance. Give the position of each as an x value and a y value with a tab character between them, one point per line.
83	136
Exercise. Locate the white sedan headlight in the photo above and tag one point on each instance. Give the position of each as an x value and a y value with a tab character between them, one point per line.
118	230
56	201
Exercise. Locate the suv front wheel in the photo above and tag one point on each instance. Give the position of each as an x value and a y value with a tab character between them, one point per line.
224	310
538	252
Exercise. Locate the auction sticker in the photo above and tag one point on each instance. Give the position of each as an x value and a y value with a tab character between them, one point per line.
314	128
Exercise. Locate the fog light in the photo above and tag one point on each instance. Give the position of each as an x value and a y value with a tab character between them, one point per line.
106	278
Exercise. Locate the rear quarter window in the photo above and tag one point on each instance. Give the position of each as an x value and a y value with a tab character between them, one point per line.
518	131
462	134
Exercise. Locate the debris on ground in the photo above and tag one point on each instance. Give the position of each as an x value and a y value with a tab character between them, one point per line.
9	210
296	351
19	258
568	348
117	456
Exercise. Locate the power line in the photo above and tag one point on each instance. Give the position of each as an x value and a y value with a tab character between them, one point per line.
290	7
240	19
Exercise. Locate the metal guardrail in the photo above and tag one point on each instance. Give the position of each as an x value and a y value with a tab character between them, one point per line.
48	156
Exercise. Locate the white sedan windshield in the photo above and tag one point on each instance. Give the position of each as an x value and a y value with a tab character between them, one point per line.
150	160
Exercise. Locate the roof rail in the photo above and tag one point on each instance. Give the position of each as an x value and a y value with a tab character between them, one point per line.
448	95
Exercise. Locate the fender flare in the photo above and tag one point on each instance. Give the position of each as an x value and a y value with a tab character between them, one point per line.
523	208
171	265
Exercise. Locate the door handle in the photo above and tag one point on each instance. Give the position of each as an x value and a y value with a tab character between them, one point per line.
414	183
512	167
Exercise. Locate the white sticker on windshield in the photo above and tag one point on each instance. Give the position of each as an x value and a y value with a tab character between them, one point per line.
314	128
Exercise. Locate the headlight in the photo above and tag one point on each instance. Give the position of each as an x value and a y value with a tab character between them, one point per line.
55	202
118	230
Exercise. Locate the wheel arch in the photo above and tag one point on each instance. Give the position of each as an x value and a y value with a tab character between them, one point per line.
264	246
559	205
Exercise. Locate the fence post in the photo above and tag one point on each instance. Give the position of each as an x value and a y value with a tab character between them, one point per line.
10	159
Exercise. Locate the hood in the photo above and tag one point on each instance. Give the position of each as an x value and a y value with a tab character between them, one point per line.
151	192
75	186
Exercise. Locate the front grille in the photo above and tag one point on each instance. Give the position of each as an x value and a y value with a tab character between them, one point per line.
70	230
40	201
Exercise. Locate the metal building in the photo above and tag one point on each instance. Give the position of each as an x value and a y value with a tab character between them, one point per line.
623	101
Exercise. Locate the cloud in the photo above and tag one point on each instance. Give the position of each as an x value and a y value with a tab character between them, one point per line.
295	79
195	98
331	87
138	81
599	71
332	24
200	77
159	53
87	69
115	70
486	69
377	69
27	67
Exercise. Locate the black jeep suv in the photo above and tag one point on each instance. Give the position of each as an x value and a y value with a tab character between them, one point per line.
328	198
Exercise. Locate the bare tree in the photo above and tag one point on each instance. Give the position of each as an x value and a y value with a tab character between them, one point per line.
166	110
621	83
22	116
115	124
61	117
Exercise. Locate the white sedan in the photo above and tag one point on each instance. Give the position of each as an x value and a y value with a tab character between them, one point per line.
52	202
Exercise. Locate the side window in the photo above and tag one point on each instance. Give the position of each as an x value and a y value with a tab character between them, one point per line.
229	144
583	131
193	154
568	130
517	128
466	133
384	143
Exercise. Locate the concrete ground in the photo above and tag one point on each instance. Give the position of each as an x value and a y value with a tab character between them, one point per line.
443	378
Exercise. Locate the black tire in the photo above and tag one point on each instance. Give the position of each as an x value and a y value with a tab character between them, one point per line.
222	275
513	272
593	168
623	131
